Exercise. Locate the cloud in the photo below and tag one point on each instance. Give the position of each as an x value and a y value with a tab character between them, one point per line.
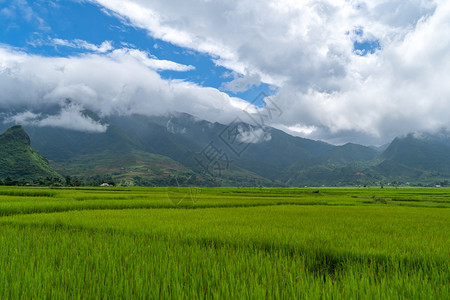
24	118
128	51
307	49
70	117
253	136
173	128
401	89
150	61
297	129
140	14
20	8
241	83
81	44
107	84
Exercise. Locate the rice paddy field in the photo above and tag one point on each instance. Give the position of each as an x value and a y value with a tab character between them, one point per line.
224	243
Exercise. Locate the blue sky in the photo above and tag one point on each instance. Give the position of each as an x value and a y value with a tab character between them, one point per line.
73	20
341	71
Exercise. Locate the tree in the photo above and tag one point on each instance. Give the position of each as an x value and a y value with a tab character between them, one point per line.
68	180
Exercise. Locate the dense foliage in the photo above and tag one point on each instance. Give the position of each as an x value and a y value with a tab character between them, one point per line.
20	162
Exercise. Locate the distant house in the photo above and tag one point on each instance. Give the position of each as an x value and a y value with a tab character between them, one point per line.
105	185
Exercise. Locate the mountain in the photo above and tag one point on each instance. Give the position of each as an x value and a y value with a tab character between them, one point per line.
135	150
342	165
424	157
181	136
166	150
416	158
19	161
349	153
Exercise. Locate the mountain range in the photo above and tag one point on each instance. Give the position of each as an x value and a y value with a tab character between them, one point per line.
181	149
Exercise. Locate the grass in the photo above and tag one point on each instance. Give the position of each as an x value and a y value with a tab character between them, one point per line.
224	243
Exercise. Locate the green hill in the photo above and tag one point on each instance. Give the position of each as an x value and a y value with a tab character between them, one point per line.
134	151
340	166
158	150
416	159
349	153
18	160
180	136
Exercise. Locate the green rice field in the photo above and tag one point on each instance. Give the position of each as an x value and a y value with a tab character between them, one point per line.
224	243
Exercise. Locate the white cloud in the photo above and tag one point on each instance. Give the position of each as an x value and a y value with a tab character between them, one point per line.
112	83
70	117
306	49
173	128
151	62
128	52
21	8
25	118
298	129
253	136
81	44
241	83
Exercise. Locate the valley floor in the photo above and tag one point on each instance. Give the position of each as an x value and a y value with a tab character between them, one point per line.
224	243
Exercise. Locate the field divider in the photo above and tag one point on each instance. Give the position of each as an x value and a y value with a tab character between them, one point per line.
60	209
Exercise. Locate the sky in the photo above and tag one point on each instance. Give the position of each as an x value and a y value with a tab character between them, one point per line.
337	70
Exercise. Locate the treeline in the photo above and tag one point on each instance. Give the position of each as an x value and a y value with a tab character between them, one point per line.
97	180
172	180
67	181
74	181
192	179
179	180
